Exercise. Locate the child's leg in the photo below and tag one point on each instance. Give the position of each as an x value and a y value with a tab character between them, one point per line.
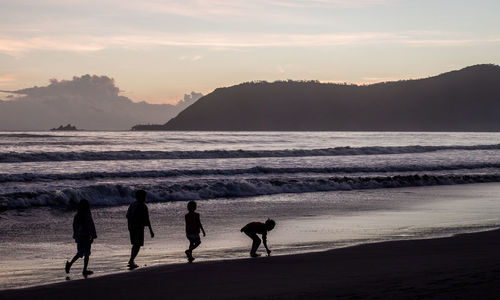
70	263
193	244
86	272
85	263
75	258
255	243
133	253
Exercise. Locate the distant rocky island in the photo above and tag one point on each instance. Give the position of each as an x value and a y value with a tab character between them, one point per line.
463	100
68	127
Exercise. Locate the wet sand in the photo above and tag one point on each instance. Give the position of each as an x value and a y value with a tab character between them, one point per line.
464	266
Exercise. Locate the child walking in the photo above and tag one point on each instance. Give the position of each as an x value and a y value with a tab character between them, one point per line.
193	227
137	219
84	234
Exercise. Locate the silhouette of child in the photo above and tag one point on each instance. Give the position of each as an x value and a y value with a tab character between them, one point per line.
254	228
193	226
84	234
138	218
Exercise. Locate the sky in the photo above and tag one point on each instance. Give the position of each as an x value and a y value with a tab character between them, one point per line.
158	50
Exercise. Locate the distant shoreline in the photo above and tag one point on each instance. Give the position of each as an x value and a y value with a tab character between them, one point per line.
347	130
257	131
462	266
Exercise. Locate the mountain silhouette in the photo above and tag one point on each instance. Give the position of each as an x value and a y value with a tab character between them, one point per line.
463	100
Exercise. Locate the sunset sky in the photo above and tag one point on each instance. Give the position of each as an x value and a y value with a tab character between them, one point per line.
159	50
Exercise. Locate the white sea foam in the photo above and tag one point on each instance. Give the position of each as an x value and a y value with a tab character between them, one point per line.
33	177
117	194
8	157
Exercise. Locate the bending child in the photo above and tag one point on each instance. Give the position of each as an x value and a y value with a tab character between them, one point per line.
254	228
84	234
193	227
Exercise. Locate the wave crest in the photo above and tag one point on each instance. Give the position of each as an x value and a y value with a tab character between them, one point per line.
115	194
31	177
8	157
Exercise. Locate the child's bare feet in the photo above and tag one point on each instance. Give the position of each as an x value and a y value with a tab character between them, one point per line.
189	255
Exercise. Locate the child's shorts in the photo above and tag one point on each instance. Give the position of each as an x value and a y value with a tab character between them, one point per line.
137	236
194	238
83	248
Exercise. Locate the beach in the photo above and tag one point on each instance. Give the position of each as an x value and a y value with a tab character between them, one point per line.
325	190
460	267
35	243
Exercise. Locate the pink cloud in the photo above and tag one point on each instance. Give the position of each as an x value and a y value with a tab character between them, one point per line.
75	43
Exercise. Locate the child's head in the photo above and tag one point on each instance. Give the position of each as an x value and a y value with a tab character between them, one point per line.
191	206
270	224
140	195
83	207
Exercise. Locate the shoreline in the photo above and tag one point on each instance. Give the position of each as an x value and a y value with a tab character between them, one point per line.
311	222
461	266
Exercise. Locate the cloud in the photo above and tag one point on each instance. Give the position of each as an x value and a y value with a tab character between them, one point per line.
330	3
191	8
6	79
370	80
453	42
130	26
84	86
189	99
188	8
217	8
18	46
190	57
89	102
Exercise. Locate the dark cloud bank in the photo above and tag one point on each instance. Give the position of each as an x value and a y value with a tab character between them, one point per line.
88	102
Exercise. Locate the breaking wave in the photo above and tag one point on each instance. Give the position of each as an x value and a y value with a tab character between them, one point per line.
31	177
8	157
117	194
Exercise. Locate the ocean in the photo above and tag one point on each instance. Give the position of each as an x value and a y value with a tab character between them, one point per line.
324	189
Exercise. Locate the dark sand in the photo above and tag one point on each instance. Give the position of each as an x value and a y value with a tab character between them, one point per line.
464	266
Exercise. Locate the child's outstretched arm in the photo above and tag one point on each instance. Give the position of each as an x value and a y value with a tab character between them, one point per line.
264	241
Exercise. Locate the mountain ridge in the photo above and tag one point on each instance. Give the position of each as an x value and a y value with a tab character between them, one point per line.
461	100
